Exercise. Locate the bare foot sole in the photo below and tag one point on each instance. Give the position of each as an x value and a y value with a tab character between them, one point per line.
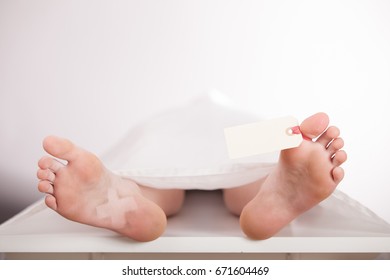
83	190
304	176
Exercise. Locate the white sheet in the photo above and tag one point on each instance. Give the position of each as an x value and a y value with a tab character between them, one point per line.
185	148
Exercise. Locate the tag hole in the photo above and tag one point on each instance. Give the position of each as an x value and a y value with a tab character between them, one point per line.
289	131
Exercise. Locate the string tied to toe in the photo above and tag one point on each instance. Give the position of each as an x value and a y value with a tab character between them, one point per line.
297	130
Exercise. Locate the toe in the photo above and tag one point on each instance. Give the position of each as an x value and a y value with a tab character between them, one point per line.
45	187
46	174
339	158
330	134
50	163
335	145
60	148
51	202
338	174
313	126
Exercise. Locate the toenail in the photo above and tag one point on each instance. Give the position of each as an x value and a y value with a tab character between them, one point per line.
49	188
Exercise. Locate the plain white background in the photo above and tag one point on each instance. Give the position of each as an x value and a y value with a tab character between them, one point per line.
89	70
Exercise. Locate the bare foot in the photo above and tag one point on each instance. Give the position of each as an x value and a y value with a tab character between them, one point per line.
83	190
304	176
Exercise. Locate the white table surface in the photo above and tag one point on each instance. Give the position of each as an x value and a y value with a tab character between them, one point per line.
339	224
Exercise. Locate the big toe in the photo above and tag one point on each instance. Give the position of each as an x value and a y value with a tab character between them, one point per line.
60	147
314	125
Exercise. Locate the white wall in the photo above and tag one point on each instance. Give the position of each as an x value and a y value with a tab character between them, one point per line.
88	70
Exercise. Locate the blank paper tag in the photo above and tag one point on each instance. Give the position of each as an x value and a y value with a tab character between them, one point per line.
262	137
